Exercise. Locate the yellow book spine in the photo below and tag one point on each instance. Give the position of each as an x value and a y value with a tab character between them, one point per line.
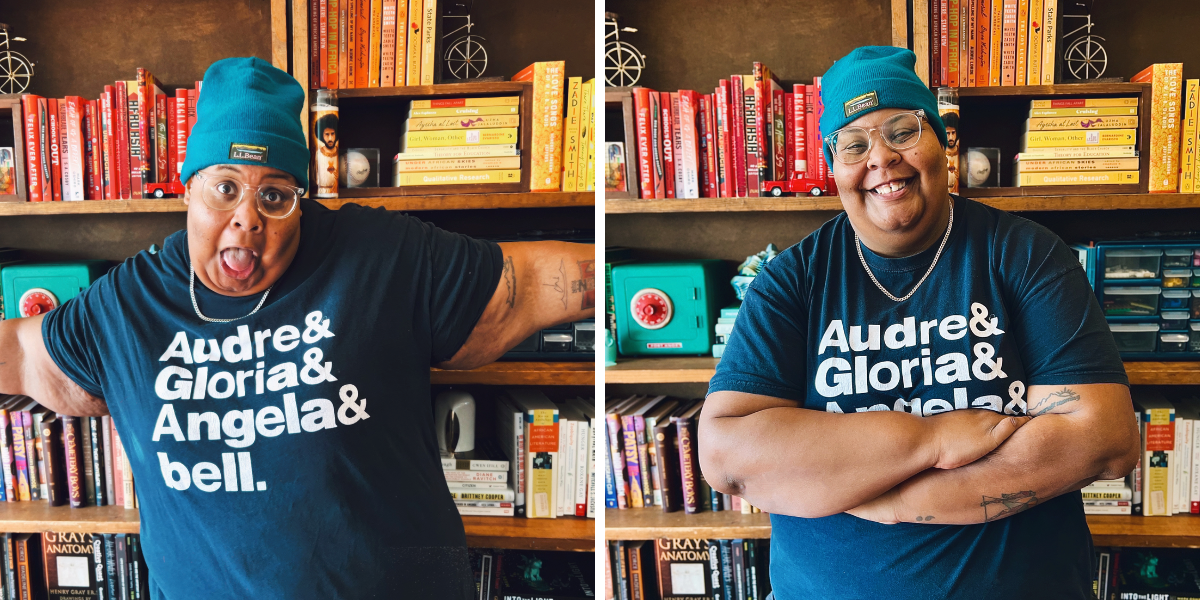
465	137
1165	127
1187	173
400	69
1078	152
1078	164
587	138
1034	76
547	127
463	122
376	36
428	41
1097	137
995	70
458	177
1085	102
1059	123
571	135
1022	41
458	164
1080	178
1049	32
457	111
412	74
1103	111
455	102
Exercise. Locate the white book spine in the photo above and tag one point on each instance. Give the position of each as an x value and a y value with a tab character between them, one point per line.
568	502
1194	490
560	472
485	512
591	492
1185	468
688	160
581	468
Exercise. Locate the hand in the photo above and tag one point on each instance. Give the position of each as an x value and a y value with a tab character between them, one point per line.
960	437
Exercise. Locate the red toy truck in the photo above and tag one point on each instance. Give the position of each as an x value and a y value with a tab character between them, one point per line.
814	187
160	190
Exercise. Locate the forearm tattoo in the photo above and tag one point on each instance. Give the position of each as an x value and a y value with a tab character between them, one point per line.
559	282
1007	505
923	519
509	274
586	284
1054	400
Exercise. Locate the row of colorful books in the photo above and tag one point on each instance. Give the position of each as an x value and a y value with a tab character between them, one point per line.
372	43
687	569
1166	480
1100	132
724	328
532	575
61	458
69	566
128	144
747	138
551	470
652	460
979	43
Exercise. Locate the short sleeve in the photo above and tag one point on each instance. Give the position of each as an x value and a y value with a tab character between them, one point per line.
1060	330
464	273
71	337
767	353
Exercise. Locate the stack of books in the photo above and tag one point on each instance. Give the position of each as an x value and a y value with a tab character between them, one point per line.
1079	141
61	458
652	460
724	328
68	565
448	141
1108	497
128	144
691	569
479	484
551	451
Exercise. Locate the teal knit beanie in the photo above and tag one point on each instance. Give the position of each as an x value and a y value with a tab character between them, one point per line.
248	114
871	78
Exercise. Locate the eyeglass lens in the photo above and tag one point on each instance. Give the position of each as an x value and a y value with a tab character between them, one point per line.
900	132
223	194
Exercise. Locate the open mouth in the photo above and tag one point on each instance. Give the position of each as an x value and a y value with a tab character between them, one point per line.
238	263
893	189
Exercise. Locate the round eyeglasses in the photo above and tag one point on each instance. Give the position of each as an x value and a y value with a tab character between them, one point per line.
850	145
274	200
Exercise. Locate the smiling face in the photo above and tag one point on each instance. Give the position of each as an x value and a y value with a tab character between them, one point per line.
239	252
895	199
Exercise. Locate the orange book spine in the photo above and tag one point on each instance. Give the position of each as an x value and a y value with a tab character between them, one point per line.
362	41
387	53
996	45
350	39
412	74
33	170
331	29
401	42
952	45
323	25
1022	41
1166	81
983	41
55	111
376	48
547	124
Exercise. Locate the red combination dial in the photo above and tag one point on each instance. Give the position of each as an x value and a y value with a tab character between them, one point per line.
37	301
651	308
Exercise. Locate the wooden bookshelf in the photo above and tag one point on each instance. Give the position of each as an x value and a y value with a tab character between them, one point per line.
699	369
520	373
1107	530
809	203
484	532
400	203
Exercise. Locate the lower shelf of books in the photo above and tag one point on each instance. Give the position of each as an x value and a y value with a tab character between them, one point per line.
568	533
1180	531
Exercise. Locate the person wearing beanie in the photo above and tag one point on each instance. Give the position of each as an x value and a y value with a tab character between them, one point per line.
268	371
918	389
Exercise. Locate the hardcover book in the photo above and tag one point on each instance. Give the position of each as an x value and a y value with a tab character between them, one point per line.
1166	81
71	571
460	137
412	73
35	181
570	152
685	569
458	177
667	124
387	61
1081	178
547	78
466	102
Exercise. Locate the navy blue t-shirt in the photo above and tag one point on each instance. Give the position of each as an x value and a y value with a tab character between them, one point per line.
289	454
1007	306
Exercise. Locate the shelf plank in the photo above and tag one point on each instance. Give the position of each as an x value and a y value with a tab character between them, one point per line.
699	369
1008	203
1062	89
442	89
565	533
482	532
402	203
520	373
1107	530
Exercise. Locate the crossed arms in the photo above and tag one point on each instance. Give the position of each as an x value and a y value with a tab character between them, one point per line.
959	467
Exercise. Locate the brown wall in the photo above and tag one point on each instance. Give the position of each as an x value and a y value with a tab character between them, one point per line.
520	32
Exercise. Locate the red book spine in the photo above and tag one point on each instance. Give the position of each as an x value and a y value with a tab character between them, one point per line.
762	127
656	157
106	143
668	143
29	108
73	454
750	109
314	44
145	106
161	155
181	129
738	133
44	149
944	42
172	154
136	149
118	467
641	109
815	143
778	137
89	153
799	131
333	42
323	42
121	114
702	139
789	128
711	136
677	142
56	111
935	47
821	166
193	97
721	93
97	150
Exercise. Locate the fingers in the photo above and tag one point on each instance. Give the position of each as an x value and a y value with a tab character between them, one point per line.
1006	427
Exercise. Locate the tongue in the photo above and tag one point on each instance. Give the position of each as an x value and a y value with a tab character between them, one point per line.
239	259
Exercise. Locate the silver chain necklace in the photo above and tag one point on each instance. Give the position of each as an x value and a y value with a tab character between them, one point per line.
192	291
858	245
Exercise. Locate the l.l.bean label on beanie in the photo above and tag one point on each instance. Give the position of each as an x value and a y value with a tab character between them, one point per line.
860	103
248	152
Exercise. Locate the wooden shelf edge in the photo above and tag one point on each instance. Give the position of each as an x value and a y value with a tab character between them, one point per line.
1113	201
520	373
38	516
574	534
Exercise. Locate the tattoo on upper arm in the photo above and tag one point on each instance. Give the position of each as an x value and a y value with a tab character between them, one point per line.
1007	505
1054	400
509	274
586	284
559	282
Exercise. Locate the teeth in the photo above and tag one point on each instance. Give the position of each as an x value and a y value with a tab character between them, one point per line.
888	188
